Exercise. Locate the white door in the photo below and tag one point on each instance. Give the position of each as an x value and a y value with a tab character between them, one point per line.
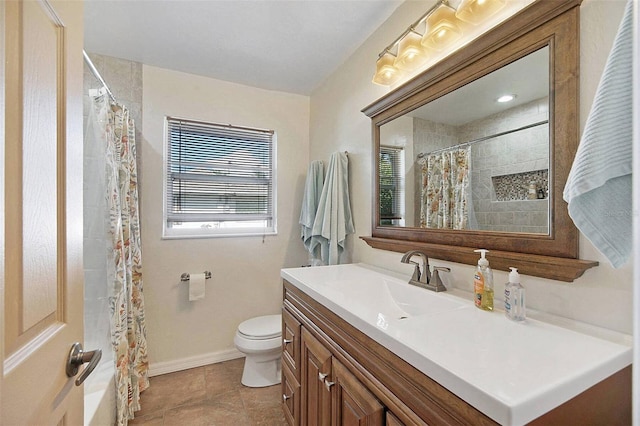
41	229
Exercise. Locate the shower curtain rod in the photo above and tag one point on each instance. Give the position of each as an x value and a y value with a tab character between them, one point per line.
484	138
96	73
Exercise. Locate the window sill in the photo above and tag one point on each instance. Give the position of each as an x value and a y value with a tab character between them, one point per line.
185	235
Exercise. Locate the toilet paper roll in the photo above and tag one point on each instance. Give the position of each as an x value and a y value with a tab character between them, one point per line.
196	287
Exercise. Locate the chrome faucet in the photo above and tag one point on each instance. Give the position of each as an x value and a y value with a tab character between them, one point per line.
422	277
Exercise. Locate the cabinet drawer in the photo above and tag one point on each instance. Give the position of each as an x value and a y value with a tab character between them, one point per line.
290	397
291	343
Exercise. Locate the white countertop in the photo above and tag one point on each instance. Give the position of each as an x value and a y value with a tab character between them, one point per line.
512	372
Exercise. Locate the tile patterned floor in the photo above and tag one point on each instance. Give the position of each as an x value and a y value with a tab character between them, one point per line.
209	395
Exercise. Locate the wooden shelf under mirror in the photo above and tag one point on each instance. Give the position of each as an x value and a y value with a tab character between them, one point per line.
539	46
555	268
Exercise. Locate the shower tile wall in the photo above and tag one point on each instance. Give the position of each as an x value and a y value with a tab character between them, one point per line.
512	154
125	81
124	78
519	152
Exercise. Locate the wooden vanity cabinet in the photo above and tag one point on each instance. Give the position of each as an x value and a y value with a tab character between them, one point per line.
352	403
291	343
290	396
331	374
392	420
330	394
334	374
290	368
314	369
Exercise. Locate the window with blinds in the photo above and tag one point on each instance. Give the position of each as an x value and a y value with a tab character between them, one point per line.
391	185
219	180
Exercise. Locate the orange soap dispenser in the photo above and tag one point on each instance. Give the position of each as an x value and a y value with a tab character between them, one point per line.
483	283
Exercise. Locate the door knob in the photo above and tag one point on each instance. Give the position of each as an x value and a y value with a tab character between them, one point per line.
77	357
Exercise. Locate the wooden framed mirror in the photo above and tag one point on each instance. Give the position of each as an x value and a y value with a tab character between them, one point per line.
539	43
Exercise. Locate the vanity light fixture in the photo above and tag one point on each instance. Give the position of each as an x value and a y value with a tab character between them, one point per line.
411	54
386	72
505	98
442	27
476	11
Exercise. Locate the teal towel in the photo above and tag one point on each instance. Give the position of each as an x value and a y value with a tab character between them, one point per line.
310	201
333	219
598	188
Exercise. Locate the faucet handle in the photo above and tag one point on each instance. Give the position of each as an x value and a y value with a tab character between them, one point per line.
435	278
416	271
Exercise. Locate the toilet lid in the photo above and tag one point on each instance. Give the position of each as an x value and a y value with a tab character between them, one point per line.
265	327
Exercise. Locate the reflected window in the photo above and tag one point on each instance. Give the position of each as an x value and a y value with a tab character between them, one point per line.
391	186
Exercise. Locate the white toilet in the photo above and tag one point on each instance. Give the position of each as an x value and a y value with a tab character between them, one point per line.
260	339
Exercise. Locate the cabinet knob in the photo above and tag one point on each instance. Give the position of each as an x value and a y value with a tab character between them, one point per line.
328	384
321	376
286	341
285	397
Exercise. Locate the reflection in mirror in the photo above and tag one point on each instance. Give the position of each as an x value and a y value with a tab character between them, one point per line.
470	160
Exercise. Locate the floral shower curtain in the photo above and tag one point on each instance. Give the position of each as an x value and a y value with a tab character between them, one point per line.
445	188
128	330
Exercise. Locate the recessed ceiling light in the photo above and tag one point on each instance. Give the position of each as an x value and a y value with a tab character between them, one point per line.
506	98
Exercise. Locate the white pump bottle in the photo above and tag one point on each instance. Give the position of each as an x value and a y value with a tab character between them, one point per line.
514	306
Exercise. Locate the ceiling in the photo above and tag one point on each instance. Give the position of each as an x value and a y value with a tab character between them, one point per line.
527	78
289	46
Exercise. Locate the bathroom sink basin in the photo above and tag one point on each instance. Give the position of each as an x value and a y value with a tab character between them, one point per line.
418	301
381	299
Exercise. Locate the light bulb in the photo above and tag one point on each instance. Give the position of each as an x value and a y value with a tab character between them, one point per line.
386	74
505	98
441	28
411	54
476	11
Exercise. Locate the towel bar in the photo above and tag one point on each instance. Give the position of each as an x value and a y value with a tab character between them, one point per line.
185	276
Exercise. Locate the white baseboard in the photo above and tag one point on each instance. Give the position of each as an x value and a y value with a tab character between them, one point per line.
158	368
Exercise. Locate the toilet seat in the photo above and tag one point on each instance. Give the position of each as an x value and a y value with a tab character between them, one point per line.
261	328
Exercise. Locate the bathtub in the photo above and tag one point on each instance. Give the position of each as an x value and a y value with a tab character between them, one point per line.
100	396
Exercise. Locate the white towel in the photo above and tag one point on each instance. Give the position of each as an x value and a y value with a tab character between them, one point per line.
333	219
312	192
598	188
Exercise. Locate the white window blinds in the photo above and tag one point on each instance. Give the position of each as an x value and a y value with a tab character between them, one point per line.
219	179
391	184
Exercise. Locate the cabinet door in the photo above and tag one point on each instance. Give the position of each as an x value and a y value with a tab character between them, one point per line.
315	368
291	343
353	404
290	397
393	420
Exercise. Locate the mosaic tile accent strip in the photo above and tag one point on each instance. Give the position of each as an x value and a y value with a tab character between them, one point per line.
516	186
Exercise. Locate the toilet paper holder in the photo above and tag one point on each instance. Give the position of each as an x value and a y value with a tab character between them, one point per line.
185	276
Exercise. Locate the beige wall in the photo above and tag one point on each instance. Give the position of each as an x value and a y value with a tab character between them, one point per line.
246	270
602	296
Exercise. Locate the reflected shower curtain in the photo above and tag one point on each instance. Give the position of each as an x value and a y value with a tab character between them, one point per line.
116	130
445	189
